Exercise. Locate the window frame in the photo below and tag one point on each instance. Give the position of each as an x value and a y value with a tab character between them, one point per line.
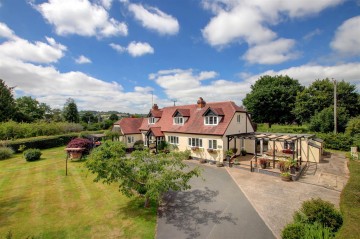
173	139
195	142
151	120
214	119
130	139
211	144
238	119
177	119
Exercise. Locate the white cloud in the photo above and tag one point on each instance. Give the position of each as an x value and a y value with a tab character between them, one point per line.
135	49
250	21
6	32
312	34
106	3
21	49
82	60
81	17
50	86
274	52
347	37
154	19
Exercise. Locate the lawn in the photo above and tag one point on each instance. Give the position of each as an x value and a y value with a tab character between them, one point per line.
350	203
37	199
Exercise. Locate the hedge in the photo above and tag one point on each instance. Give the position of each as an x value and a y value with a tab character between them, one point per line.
42	142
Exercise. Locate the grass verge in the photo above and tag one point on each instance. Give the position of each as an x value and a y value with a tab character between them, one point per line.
38	200
350	204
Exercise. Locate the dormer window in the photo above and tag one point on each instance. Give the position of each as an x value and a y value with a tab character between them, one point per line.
211	120
152	120
212	116
179	120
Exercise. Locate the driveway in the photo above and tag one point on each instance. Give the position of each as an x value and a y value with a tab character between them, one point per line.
214	208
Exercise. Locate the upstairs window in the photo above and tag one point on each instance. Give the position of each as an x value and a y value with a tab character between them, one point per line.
195	142
179	120
211	120
152	120
212	144
238	118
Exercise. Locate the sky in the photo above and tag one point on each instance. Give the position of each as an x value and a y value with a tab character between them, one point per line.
124	55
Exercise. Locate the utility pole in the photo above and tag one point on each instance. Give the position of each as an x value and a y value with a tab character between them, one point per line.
335	114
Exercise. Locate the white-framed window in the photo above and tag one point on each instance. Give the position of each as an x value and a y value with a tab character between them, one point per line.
152	120
211	120
238	118
195	142
130	139
179	120
212	144
173	140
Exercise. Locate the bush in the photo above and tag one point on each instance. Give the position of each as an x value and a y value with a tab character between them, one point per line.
32	154
81	143
6	152
139	145
318	210
337	141
315	231
293	231
353	126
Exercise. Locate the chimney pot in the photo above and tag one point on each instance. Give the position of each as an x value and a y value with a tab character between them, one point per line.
201	103
155	107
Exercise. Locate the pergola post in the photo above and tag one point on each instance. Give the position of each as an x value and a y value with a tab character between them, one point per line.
273	154
228	143
255	150
235	143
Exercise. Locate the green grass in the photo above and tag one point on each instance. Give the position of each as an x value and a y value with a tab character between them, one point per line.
350	204
37	199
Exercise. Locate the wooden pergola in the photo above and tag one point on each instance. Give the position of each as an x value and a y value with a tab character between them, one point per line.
271	137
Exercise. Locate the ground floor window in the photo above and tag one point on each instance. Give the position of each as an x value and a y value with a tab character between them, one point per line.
212	144
195	142
173	139
130	139
289	145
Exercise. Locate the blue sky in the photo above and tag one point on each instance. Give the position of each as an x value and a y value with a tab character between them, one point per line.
116	54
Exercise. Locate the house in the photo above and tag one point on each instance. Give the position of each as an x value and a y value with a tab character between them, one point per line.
200	127
128	129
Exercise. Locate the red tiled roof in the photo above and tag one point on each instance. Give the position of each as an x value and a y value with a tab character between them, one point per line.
130	125
156	131
195	122
155	113
183	112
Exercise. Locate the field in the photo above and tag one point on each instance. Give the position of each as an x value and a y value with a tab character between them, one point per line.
38	200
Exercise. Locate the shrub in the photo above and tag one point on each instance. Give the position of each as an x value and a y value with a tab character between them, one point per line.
337	141
293	231
6	152
139	145
318	210
81	143
32	154
317	231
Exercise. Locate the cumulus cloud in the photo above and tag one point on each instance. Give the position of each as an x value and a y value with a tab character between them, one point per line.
347	37
21	49
135	49
53	87
154	19
274	52
82	60
106	3
81	17
248	21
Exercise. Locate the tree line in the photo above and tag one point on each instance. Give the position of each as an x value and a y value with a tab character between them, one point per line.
283	100
27	109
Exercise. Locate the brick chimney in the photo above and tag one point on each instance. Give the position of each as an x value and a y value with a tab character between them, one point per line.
155	107
201	103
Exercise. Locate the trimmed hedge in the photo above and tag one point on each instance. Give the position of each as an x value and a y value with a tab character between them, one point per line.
338	141
42	142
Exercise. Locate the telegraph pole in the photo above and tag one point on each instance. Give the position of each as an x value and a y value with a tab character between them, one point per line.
335	114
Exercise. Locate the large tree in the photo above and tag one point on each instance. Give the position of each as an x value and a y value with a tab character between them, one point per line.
320	95
142	174
70	111
7	102
29	109
272	99
323	121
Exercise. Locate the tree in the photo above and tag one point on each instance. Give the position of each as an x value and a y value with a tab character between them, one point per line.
323	121
70	111
353	126
7	102
143	174
114	117
88	117
320	95
272	99
29	109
